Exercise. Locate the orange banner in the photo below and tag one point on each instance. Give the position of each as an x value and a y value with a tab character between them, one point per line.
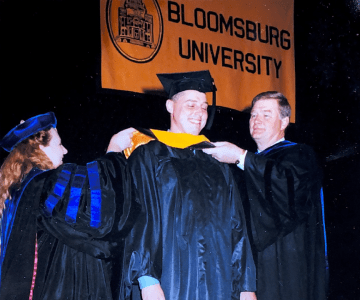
248	46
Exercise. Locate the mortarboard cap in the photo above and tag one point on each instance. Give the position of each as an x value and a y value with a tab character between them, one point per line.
27	129
201	81
174	83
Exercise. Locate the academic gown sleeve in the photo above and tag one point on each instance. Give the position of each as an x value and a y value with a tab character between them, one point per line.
243	266
88	208
280	191
143	244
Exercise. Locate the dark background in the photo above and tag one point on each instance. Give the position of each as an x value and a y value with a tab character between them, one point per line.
50	61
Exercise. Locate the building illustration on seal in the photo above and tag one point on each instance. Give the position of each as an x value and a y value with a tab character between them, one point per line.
135	24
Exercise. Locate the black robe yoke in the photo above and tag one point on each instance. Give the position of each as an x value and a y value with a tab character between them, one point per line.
191	235
284	192
79	217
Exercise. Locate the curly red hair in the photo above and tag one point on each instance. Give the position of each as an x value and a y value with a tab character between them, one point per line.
24	157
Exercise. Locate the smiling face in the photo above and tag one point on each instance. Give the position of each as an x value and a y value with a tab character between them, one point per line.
188	112
266	126
54	150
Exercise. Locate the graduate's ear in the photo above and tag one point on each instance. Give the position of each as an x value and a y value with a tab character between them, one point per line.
170	105
284	123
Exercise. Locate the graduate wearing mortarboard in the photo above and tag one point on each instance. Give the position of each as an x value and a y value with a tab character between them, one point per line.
62	224
190	241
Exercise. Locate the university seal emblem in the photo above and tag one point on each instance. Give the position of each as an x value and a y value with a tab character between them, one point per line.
135	28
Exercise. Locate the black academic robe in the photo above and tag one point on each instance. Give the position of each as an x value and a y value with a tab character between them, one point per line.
283	185
79	217
191	235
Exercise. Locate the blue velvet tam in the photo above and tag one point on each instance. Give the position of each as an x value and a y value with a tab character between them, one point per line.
27	129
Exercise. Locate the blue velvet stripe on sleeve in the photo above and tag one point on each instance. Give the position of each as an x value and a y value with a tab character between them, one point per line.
59	189
95	192
323	217
75	194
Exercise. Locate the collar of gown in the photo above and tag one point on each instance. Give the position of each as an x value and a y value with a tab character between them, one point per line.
282	139
176	140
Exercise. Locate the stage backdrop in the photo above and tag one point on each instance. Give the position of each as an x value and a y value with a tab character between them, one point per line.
248	46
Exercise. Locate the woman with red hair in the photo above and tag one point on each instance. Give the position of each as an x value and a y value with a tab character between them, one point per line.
62	225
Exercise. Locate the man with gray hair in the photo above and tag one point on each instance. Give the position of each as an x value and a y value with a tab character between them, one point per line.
281	183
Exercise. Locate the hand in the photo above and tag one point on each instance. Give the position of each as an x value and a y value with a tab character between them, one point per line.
121	140
153	292
225	152
247	296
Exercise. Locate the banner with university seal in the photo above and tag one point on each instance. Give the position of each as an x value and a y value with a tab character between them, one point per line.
248	46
